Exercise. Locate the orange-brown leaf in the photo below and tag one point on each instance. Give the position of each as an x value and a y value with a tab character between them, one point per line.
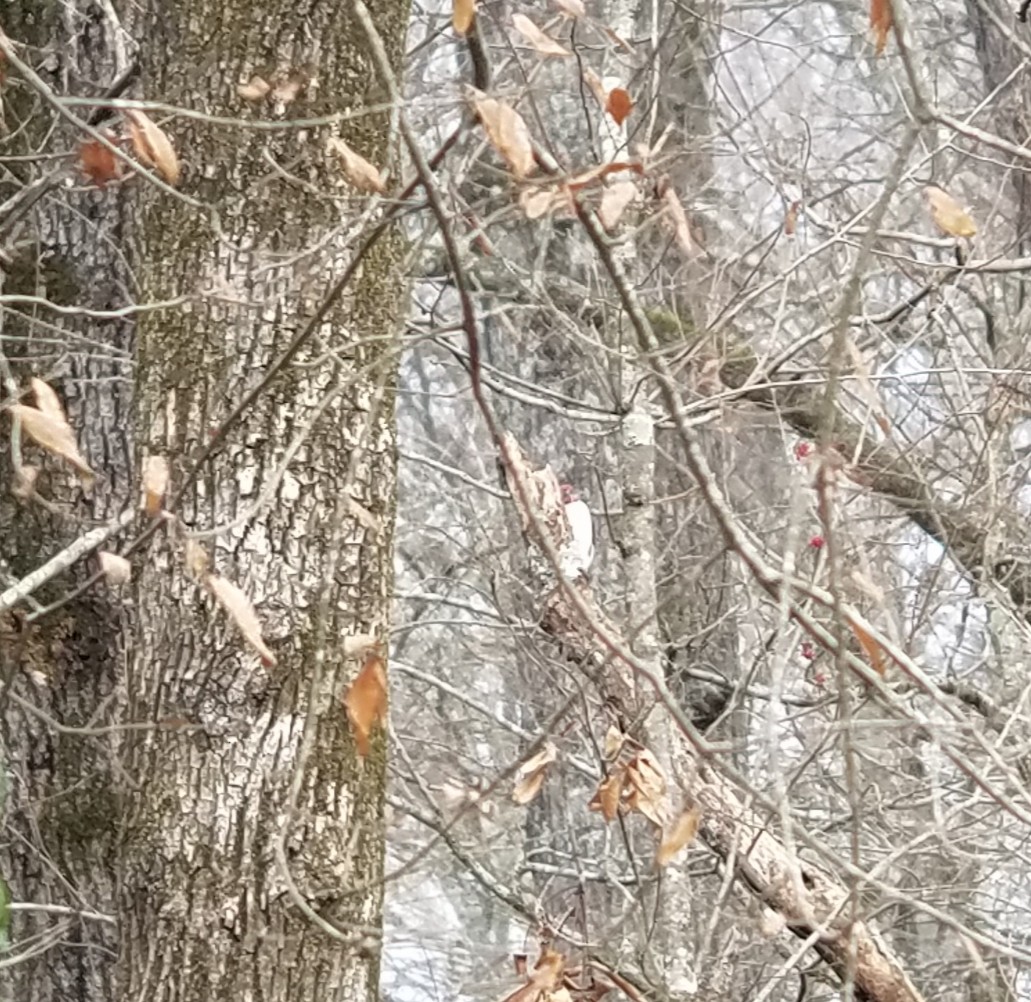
98	163
241	612
507	132
647	785
872	649
606	798
462	16
54	434
678	835
356	168
366	701
155	483
618	104
542	42
882	17
153	146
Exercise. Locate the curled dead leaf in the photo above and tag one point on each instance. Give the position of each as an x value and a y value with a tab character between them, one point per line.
115	568
356	168
47	400
530	775
463	13
366	701
507	131
542	42
678	835
155	483
240	610
54	434
153	146
647	785
607	797
256	89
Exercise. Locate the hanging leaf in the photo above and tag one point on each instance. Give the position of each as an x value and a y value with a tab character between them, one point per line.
872	649
678	835
614	202
241	612
53	434
366	701
647	785
530	776
543	43
507	132
153	146
607	797
618	104
594	82
115	568
462	16
99	163
949	216
881	19
356	168
155	483
256	89
47	400
676	220
791	219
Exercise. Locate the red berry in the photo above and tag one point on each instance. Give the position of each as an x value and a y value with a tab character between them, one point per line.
816	542
803	450
808	651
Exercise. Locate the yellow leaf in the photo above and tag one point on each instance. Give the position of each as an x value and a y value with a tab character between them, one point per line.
881	19
543	43
366	701
507	132
115	568
678	835
153	146
530	776
241	612
949	216
54	434
356	168
462	16
155	483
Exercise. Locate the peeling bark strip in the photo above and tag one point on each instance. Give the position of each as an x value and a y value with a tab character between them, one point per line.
898	477
814	904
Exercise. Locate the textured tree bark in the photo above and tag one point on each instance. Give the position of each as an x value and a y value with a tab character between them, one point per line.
233	832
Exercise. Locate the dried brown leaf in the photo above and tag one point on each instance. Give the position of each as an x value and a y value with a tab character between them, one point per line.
647	784
614	739
618	104
676	219
607	797
47	400
882	17
676	836
614	202
99	163
256	89
356	168
366	701
53	434
155	483
241	612
462	16
872	649
791	219
542	42
507	132
949	216
115	568
153	146
530	775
